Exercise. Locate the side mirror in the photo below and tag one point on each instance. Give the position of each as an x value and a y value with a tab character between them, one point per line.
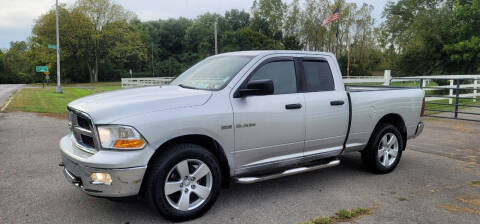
257	88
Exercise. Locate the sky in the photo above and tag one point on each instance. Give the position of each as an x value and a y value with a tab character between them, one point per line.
18	16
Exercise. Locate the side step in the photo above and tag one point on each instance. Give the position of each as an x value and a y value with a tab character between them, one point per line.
249	180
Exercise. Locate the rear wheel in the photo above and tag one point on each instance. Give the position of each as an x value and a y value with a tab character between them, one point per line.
384	150
184	183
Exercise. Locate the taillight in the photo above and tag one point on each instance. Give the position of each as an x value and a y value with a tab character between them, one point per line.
423	108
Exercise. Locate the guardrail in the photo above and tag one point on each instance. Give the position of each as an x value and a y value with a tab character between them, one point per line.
153	81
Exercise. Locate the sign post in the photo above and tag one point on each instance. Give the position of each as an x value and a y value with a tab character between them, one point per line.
47	76
45	71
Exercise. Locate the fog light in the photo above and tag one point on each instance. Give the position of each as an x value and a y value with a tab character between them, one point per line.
101	178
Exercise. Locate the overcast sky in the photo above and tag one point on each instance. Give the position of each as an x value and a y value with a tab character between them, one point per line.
17	16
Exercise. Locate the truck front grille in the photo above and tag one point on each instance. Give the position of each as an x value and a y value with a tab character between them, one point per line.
83	130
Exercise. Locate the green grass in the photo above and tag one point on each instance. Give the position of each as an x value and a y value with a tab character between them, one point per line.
45	100
450	107
81	85
475	183
343	215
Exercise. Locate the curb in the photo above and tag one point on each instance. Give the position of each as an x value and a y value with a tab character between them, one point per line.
8	101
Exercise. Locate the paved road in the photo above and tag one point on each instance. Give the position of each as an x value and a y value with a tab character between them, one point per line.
6	90
431	184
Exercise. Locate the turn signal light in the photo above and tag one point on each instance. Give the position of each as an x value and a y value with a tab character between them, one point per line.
129	143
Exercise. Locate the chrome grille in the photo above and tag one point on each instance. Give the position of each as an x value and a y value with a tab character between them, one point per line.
83	130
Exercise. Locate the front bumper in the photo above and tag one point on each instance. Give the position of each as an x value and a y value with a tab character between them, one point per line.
125	181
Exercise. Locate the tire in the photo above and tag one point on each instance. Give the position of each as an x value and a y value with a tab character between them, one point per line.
382	156
167	189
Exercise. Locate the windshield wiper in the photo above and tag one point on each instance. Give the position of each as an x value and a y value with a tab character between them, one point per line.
186	87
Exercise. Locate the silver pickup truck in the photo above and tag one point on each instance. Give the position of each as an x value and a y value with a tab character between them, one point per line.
242	116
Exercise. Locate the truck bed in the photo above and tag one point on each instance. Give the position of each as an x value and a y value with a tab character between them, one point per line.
370	103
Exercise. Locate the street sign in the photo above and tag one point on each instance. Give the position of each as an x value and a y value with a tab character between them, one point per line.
52	46
42	68
46	73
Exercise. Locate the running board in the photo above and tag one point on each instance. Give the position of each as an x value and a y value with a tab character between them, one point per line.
249	180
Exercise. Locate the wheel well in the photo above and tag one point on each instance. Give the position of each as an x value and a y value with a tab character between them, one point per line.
398	122
208	143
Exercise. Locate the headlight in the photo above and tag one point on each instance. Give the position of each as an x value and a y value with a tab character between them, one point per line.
120	137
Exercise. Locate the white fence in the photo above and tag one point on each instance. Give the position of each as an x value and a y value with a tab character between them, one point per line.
386	79
137	82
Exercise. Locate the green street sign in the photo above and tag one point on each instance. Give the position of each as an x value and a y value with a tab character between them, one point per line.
52	46
42	68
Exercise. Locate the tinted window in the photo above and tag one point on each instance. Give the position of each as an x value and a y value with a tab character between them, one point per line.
282	73
318	76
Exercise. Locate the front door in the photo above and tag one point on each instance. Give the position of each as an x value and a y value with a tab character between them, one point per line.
270	128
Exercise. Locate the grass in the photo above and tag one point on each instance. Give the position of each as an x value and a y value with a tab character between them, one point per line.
450	107
475	183
343	215
45	100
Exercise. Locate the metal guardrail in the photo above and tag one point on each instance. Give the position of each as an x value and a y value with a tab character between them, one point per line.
462	94
137	82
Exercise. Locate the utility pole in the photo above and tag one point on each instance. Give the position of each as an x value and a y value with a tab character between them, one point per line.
215	33
153	66
59	86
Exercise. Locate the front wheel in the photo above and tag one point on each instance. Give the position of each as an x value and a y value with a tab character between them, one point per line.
384	150
184	183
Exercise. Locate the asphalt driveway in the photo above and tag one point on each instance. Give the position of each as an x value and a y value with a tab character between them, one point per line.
432	184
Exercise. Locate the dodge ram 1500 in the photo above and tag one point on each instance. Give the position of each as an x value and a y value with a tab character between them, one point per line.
243	116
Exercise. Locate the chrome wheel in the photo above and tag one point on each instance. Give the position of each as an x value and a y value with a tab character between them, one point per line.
188	184
388	149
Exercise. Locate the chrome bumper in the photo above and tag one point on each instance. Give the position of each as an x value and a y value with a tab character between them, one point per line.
419	129
125	181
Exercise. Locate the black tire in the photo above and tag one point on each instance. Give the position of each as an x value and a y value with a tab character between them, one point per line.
370	155
157	175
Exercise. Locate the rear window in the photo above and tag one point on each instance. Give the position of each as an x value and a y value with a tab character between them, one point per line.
318	76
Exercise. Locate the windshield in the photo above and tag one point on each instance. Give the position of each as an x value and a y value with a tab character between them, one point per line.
212	73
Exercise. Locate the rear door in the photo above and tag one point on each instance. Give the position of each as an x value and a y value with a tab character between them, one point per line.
326	109
270	128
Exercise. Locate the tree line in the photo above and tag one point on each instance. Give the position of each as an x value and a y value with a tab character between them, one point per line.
102	41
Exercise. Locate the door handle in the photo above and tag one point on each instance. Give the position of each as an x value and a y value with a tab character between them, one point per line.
293	106
337	102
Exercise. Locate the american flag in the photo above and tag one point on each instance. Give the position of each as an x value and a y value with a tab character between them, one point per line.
332	17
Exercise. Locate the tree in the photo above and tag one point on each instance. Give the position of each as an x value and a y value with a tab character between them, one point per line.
246	39
464	49
237	19
413	36
101	14
268	18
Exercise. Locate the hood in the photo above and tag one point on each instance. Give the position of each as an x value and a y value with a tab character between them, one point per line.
108	107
